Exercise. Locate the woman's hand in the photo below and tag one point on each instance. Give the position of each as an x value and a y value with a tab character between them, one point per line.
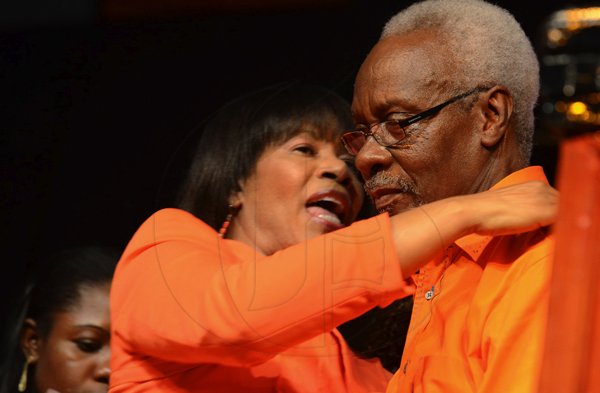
513	209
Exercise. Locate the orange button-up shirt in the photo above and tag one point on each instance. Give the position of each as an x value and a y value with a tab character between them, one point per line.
480	314
192	312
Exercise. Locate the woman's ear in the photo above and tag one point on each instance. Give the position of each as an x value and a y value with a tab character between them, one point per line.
236	199
497	109
30	340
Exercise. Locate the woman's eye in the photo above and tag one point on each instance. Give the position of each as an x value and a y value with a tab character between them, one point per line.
305	149
89	346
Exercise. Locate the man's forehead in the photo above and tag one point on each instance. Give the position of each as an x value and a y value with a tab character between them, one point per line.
403	61
394	70
391	84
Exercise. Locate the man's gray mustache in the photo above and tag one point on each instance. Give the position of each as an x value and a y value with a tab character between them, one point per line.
384	180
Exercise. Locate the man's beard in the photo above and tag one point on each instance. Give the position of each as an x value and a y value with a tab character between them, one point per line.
383	180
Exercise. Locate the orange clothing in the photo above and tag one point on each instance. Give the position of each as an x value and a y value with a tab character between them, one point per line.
480	314
192	312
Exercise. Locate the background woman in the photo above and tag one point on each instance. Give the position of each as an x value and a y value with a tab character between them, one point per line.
243	289
65	335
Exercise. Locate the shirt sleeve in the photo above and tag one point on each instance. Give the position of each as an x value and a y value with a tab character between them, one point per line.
181	293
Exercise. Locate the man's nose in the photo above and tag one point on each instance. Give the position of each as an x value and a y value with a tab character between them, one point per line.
372	158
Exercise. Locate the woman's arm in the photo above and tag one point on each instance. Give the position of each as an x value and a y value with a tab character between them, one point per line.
182	294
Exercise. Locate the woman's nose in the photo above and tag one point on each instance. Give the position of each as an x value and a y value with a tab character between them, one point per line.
102	375
102	371
333	167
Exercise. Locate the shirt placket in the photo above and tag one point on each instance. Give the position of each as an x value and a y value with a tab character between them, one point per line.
427	288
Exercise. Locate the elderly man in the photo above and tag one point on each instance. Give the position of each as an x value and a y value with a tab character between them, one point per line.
444	106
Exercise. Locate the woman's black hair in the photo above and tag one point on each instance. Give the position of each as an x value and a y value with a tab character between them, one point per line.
235	137
55	287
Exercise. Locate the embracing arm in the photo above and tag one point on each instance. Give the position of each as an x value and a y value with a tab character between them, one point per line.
181	293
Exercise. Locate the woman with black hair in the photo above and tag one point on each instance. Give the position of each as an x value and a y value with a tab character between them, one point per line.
241	288
64	337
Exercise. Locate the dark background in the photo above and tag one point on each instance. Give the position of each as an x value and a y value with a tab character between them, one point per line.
100	100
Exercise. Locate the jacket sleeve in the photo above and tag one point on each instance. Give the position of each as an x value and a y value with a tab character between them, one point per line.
181	293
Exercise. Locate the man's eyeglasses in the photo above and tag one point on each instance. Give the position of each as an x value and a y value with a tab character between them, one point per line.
392	132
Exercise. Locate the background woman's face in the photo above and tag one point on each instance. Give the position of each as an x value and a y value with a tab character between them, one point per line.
300	189
75	356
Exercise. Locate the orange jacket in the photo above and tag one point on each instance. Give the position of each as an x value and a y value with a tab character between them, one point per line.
480	314
192	312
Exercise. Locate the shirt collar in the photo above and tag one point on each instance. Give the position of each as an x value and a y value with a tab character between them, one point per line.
474	245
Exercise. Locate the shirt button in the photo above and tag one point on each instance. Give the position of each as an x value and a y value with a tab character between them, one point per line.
429	294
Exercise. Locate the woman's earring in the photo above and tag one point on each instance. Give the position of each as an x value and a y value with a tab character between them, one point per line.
225	226
23	380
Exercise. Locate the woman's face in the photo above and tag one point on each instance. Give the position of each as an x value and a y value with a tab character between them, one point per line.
299	189
74	357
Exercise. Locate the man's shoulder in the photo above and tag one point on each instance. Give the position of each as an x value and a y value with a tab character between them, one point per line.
520	252
531	246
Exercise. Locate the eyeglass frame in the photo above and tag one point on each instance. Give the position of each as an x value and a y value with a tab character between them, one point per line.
404	122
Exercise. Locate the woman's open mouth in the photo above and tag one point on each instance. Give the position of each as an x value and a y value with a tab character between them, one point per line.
330	207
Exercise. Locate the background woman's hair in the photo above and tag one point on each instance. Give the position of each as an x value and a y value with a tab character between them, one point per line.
57	289
54	288
235	137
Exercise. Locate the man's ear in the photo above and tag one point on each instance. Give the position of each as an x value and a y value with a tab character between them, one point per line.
30	340
497	110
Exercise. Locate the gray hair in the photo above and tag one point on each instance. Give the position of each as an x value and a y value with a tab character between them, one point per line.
490	46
